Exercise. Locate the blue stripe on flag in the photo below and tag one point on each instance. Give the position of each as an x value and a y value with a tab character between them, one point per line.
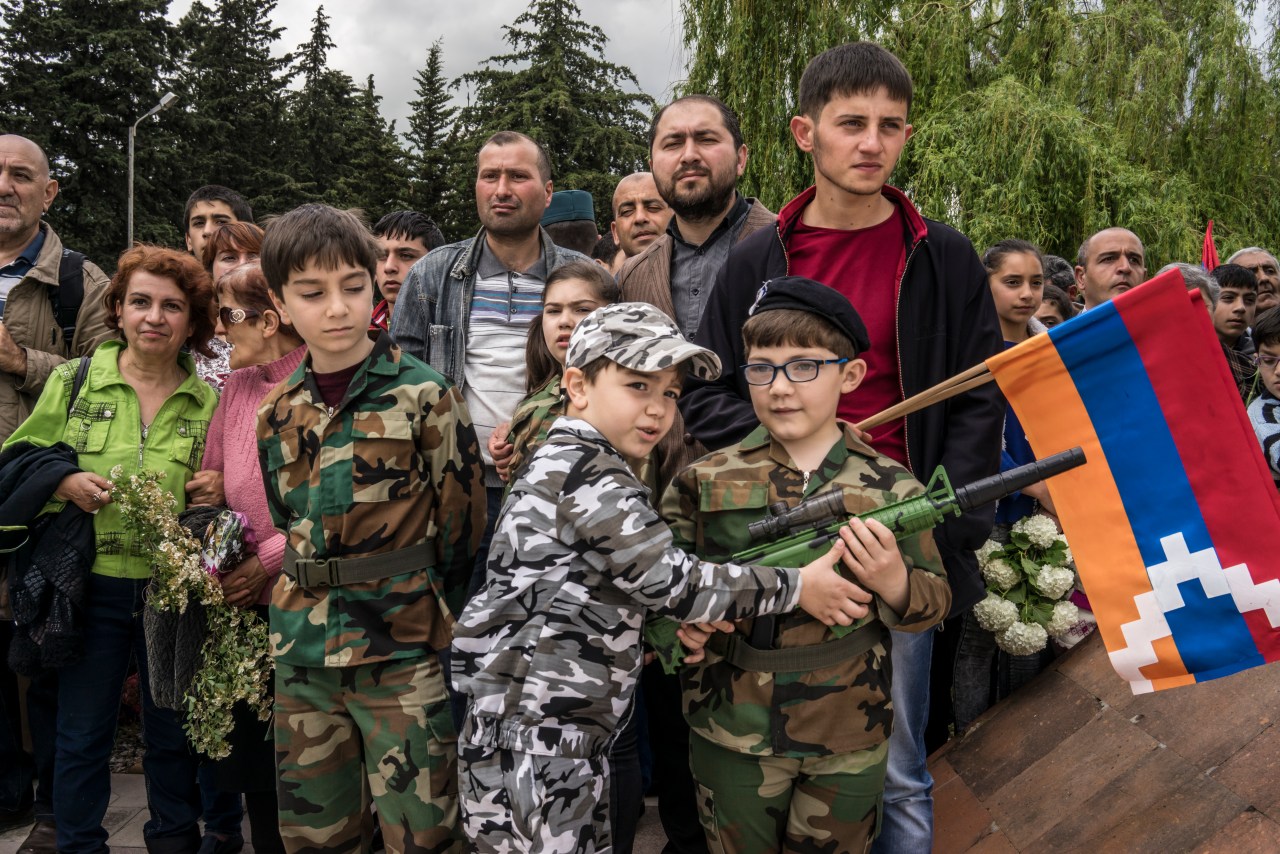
1113	384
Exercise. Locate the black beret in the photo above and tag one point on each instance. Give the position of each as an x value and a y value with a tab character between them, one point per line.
800	294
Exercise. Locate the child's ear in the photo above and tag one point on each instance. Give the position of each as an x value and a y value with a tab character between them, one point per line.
575	384
854	372
278	302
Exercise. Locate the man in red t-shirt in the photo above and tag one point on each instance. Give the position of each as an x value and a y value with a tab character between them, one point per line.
922	292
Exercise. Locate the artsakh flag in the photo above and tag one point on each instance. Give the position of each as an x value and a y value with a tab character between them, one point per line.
1209	252
1173	519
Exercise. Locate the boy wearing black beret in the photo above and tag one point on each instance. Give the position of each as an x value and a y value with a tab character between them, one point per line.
790	723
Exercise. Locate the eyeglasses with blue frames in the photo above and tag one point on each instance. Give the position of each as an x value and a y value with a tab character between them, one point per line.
1268	362
797	370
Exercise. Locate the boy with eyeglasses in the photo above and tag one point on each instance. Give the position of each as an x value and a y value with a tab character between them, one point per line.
1264	411
791	723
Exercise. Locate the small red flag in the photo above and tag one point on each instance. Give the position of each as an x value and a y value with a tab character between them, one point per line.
1209	254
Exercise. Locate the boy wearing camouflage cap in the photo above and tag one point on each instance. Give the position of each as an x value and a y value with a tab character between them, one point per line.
549	650
790	723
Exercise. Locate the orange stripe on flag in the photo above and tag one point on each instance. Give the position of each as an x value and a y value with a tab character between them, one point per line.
1095	522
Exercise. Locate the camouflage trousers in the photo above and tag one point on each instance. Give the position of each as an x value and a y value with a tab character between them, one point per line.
346	734
753	804
521	802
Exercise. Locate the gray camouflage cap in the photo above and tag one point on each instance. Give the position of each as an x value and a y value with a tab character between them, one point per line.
636	335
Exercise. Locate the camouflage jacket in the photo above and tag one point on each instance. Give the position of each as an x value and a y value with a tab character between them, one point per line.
837	709
394	465
549	650
531	422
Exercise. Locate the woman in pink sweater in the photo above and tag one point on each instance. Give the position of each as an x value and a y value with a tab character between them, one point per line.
265	351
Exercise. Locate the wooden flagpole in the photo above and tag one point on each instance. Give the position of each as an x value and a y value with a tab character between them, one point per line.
960	383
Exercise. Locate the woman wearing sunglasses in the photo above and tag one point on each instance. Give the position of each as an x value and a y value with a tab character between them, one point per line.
265	350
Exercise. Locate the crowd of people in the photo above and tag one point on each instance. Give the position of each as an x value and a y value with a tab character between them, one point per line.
478	474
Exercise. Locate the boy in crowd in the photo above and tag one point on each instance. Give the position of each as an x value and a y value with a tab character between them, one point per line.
373	472
1233	312
403	237
786	716
923	294
548	652
1264	412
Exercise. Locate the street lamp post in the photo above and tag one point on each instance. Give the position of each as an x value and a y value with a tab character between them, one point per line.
167	101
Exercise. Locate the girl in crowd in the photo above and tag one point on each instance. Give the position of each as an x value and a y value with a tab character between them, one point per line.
141	407
232	244
265	350
984	673
1056	306
572	292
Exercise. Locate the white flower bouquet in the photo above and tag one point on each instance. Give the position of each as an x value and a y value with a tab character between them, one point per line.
234	661
1028	582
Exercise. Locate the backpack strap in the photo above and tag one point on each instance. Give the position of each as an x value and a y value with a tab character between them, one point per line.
66	300
82	371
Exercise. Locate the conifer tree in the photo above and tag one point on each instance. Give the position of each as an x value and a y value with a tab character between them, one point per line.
377	180
430	138
75	75
235	88
316	116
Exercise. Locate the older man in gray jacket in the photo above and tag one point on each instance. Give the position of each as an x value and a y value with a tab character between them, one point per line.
41	328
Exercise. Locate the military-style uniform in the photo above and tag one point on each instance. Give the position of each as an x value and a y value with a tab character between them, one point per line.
794	760
548	652
393	473
532	420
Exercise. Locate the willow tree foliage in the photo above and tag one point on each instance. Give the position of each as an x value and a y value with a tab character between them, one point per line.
1044	119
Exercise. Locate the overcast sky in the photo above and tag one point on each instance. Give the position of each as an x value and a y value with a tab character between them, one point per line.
390	38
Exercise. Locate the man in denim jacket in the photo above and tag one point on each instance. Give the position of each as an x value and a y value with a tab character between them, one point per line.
465	308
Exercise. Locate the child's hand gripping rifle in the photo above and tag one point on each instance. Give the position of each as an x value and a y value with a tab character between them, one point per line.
796	536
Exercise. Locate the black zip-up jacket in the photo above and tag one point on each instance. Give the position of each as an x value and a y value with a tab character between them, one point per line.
946	323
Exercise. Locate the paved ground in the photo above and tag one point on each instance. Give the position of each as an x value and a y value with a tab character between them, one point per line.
128	812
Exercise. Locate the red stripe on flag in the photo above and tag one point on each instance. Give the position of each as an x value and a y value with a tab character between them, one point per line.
1211	430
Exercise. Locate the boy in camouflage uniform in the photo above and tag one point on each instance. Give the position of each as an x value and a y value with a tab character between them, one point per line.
373	472
549	650
789	754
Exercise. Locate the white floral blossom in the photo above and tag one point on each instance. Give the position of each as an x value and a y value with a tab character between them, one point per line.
1023	638
1039	529
1065	616
999	574
1068	557
989	548
995	614
1055	581
236	663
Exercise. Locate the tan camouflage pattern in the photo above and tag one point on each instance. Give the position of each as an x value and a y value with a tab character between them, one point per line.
345	735
549	650
395	464
640	337
516	802
752	804
833	710
531	422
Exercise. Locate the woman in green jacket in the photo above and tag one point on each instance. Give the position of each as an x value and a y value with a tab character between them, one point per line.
141	407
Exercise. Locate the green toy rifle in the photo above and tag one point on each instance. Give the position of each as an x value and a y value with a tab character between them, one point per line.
796	536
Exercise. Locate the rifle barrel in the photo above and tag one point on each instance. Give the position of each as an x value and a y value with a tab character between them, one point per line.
1006	483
